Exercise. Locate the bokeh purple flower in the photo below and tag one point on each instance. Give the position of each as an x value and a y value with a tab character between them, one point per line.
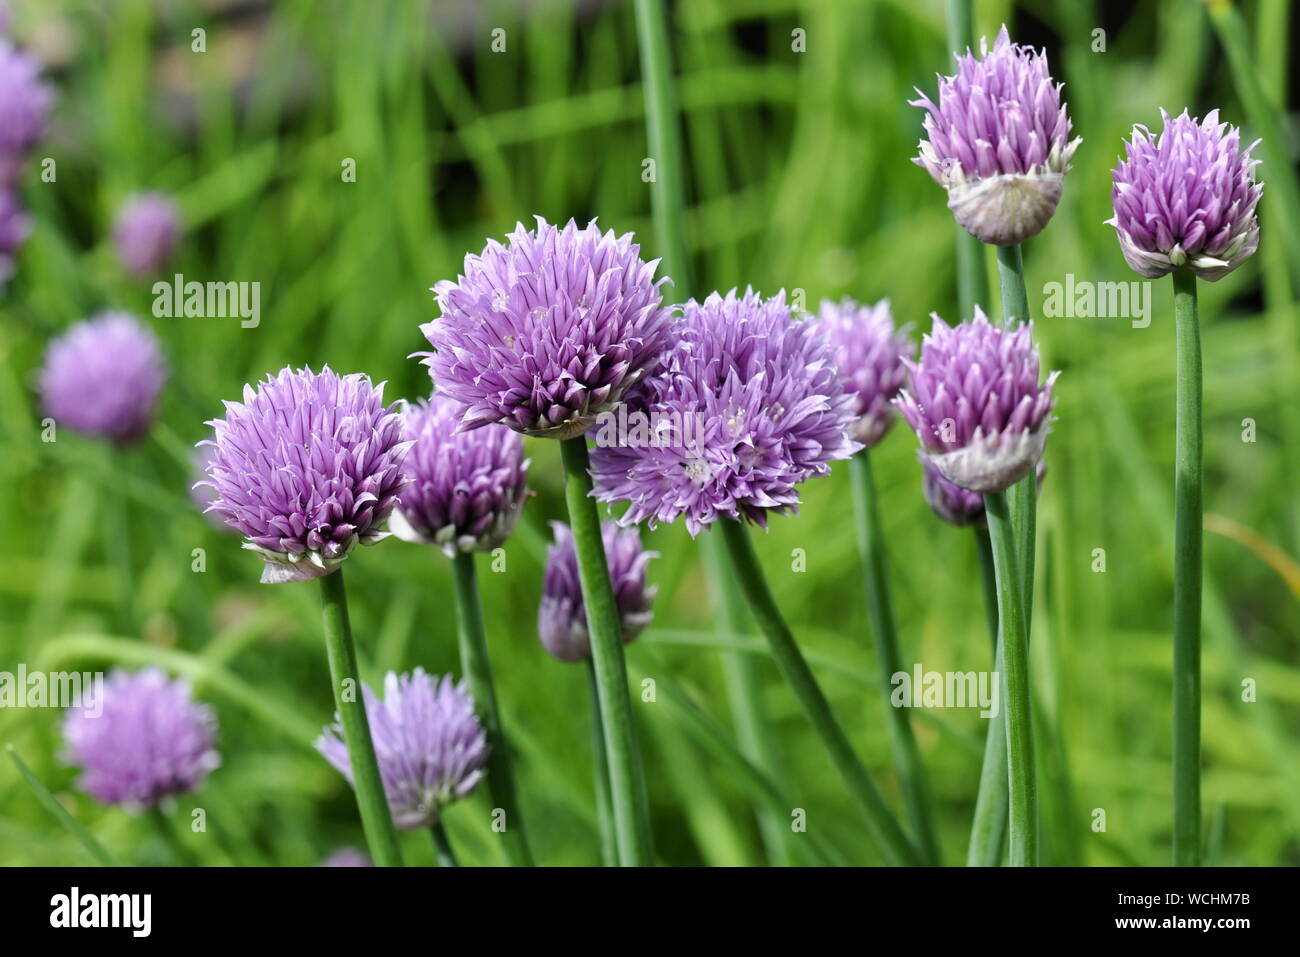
102	377
431	748
975	402
347	857
146	232
467	488
748	406
547	332
145	739
562	616
869	353
15	226
24	107
1186	198
308	466
998	141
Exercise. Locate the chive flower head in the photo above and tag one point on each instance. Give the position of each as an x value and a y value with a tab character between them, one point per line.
146	232
562	616
144	740
308	466
24	108
869	353
998	141
429	743
548	331
1186	198
975	402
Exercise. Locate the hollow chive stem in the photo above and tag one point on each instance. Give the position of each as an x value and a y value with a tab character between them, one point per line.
907	757
989	825
884	827
626	777
604	813
477	668
1187	575
376	820
1015	704
442	845
668	202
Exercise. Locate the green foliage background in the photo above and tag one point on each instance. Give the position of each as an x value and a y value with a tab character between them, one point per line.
799	178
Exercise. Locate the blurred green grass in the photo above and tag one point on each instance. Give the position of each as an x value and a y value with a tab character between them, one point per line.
799	179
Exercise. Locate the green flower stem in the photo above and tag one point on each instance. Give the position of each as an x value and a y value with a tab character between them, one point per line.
989	827
972	273
1011	279
442	844
376	819
604	812
626	777
51	803
668	204
1187	576
478	669
1015	704
882	824
907	757
163	825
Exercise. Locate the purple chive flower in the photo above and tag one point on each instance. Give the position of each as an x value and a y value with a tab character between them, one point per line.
102	377
432	750
546	333
952	503
347	857
749	405
562	617
306	467
146	232
1187	197
975	402
467	488
869	353
998	141
144	739
15	226
24	106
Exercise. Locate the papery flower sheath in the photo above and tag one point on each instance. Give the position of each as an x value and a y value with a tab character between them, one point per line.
306	467
102	377
24	107
975	402
1186	198
467	488
998	141
749	405
548	331
145	739
952	503
146	232
868	353
562	616
431	748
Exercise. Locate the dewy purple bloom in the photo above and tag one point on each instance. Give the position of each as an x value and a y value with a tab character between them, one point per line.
562	617
467	488
976	404
306	467
143	740
753	406
15	226
431	748
146	232
998	141
103	376
24	105
1187	197
869	353
549	331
